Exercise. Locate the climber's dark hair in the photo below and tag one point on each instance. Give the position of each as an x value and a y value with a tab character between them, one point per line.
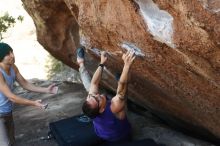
90	111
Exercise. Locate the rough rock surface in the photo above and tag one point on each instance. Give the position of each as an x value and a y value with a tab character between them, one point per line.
177	43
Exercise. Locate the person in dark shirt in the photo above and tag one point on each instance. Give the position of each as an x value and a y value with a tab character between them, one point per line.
109	116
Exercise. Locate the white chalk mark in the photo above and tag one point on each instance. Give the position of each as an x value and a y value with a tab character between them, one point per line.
159	22
131	47
96	51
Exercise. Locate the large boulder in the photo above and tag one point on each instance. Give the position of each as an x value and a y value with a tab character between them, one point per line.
177	70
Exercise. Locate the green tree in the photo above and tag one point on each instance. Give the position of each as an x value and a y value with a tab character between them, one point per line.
7	21
53	66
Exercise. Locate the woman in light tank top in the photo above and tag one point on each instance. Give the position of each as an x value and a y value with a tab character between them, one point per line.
8	74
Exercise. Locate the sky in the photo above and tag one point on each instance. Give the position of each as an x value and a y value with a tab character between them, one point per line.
30	57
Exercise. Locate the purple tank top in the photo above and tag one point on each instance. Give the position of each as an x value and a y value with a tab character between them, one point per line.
110	128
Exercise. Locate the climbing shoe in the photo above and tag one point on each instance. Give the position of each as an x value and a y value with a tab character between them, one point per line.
117	76
80	52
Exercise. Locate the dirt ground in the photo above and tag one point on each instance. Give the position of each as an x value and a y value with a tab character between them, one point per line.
31	124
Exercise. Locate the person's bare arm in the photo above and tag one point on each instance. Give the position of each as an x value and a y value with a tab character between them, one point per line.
31	87
118	102
94	88
14	98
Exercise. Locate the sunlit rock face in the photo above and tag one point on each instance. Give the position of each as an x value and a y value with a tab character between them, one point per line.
176	73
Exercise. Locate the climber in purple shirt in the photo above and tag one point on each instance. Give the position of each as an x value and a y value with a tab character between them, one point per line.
109	116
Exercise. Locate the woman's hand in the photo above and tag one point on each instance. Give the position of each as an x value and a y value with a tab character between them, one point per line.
52	89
